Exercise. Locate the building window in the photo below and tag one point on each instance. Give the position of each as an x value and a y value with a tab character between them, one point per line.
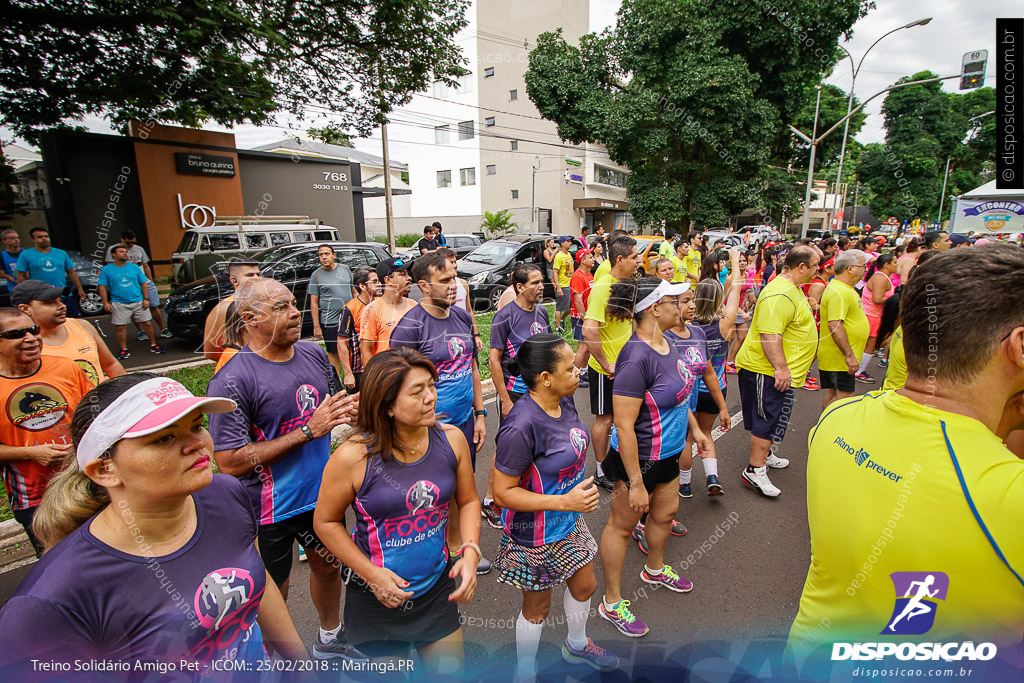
609	176
515	194
515	145
441	89
489	121
465	84
444	178
466	130
513	95
467	176
489	72
442	134
492	169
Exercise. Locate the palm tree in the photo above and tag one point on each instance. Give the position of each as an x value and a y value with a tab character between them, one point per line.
498	224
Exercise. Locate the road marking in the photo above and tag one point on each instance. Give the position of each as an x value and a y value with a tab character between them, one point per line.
717	431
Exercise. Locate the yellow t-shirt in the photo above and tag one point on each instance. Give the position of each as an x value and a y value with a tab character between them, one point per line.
614	334
680	265
896	374
603	269
693	260
562	263
896	486
782	309
840	301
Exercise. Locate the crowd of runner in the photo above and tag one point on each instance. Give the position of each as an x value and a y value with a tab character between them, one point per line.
146	554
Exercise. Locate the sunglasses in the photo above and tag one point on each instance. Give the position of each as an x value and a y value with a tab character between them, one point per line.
20	332
395	266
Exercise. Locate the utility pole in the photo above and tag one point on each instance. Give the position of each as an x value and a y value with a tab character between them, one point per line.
533	193
390	218
942	197
810	167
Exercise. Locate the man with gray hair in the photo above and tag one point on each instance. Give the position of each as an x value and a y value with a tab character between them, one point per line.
844	328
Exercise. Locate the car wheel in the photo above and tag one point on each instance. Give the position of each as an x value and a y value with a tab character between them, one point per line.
641	272
495	295
92	304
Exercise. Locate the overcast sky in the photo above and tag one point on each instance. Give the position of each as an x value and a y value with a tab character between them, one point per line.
957	27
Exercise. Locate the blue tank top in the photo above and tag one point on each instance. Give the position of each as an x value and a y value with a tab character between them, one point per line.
718	349
402	513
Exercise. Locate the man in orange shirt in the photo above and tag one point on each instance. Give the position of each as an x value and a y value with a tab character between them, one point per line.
66	337
381	316
41	394
365	288
214	335
579	286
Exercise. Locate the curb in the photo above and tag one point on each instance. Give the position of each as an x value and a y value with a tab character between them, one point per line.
15	549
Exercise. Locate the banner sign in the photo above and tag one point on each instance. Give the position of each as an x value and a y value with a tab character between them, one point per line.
1000	215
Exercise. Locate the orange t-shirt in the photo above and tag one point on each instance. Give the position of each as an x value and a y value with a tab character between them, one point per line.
37	410
226	352
81	347
379	319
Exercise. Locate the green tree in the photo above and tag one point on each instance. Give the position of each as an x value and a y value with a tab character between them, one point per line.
689	95
230	61
498	224
925	125
331	135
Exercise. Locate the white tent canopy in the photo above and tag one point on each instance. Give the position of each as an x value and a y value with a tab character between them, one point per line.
989	209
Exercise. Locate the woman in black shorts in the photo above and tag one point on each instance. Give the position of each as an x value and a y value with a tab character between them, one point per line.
539	481
651	400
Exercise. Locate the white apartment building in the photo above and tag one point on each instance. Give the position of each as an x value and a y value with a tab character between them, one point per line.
482	145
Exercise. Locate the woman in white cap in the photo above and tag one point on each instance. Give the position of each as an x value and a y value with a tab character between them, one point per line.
150	557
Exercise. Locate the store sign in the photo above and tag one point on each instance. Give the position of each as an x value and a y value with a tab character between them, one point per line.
204	164
573	177
574	161
990	216
196	215
610	205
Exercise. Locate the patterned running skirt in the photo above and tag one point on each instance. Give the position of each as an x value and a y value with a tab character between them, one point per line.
540	568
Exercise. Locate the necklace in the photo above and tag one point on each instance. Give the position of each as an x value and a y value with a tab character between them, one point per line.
416	452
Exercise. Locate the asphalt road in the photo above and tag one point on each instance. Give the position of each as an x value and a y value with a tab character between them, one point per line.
747	580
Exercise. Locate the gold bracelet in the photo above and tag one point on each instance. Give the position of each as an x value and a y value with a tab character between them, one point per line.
474	546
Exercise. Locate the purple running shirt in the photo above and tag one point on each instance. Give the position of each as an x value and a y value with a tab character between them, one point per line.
548	455
510	328
694	351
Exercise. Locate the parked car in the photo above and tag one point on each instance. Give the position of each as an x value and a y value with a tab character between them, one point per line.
731	239
460	243
201	248
89	275
488	268
187	307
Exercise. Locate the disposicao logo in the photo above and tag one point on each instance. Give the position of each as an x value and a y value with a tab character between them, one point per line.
916	603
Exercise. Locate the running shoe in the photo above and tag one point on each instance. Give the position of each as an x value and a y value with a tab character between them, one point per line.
337	648
883	363
492	513
731	368
667	578
302	554
714	486
759	480
677	529
640	537
584	384
811	384
153	348
166	333
623	619
684	491
593	654
142	336
880	353
483	566
865	378
776	462
124	354
604	482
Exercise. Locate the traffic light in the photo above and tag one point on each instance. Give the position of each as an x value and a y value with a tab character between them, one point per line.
972	73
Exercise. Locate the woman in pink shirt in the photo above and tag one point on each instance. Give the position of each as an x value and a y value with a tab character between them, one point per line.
879	287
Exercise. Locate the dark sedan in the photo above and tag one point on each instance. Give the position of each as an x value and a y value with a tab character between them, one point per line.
488	268
187	307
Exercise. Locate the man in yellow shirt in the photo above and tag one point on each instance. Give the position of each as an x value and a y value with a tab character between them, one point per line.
896	373
561	264
679	261
775	357
605	338
844	328
912	488
694	258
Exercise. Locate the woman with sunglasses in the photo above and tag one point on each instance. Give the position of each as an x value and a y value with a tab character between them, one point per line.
150	556
539	481
399	471
651	400
43	392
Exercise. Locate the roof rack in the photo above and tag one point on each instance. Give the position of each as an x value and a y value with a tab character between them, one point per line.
265	219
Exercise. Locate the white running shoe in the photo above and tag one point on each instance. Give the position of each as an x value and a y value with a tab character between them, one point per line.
776	462
759	480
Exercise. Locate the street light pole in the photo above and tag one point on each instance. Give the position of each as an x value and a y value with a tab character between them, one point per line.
810	167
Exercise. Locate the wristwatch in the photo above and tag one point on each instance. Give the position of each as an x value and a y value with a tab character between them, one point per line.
308	432
478	413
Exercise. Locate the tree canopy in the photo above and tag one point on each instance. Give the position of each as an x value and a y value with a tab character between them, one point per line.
924	125
230	61
690	95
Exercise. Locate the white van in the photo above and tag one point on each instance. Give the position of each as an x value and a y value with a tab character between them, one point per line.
233	236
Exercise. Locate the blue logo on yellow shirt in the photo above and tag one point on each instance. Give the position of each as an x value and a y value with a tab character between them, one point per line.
863	459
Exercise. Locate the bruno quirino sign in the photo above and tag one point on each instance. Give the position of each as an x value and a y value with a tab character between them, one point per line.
189	163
